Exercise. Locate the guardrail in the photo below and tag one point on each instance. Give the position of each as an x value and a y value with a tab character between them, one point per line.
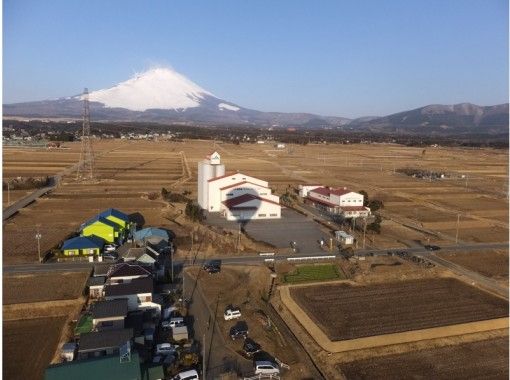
266	253
304	258
268	260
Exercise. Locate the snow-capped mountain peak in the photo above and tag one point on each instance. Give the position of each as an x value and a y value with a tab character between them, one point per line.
159	88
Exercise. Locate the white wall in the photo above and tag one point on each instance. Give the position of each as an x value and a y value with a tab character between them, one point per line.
304	189
349	199
265	210
132	299
214	193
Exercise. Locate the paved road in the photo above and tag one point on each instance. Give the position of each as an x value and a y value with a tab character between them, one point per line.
25	201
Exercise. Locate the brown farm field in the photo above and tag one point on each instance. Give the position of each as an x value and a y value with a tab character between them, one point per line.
345	312
43	287
486	359
29	346
491	263
129	171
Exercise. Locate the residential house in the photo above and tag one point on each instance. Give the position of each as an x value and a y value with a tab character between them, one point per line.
102	343
96	286
106	229
102	368
125	272
117	217
109	315
341	201
83	245
138	292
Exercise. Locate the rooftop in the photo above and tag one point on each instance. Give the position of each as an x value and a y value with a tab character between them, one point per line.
102	368
102	340
100	219
136	286
116	213
149	232
113	308
234	202
83	242
96	281
127	270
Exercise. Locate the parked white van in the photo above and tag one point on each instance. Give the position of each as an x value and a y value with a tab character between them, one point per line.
266	368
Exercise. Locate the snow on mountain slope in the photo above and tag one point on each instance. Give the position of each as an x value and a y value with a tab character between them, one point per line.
225	106
159	88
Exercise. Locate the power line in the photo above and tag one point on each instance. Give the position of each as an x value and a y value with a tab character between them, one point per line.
86	164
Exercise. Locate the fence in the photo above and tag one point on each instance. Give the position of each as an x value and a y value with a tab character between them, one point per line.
310	258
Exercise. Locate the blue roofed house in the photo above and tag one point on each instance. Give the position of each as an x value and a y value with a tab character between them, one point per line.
116	216
156	237
83	245
98	226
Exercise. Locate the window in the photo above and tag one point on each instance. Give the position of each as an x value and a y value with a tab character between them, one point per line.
107	324
72	253
230	194
262	215
273	214
263	193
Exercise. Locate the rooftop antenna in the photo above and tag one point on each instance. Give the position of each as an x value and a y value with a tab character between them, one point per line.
86	164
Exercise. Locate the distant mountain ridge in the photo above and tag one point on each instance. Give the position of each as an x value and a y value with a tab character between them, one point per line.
165	96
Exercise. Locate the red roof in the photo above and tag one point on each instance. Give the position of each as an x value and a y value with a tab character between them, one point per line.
329	204
241	183
233	202
327	191
220	177
340	191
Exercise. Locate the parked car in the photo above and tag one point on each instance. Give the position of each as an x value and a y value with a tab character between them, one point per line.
250	347
212	266
266	368
110	248
172	322
432	247
187	375
110	256
232	313
165	349
240	330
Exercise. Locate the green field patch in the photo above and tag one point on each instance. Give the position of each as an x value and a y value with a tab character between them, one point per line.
322	272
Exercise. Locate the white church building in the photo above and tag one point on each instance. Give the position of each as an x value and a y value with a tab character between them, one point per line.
236	196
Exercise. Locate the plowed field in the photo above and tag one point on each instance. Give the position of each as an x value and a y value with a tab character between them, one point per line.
345	312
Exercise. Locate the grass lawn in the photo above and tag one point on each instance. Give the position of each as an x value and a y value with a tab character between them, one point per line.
322	272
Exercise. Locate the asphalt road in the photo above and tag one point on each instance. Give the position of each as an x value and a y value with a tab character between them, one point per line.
256	259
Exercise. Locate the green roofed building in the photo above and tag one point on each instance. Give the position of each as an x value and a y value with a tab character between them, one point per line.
116	216
101	368
107	230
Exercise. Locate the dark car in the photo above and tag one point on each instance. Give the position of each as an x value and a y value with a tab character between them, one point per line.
240	330
213	266
110	255
250	347
432	247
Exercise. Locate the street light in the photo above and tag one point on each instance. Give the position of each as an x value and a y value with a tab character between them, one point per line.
38	237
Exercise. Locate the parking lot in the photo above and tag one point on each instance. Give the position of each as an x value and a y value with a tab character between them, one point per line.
279	232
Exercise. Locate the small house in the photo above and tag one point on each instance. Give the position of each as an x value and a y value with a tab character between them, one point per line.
344	238
117	217
138	292
111	367
102	343
83	246
106	229
109	315
96	286
124	272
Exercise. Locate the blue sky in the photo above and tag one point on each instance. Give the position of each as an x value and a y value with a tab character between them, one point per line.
342	58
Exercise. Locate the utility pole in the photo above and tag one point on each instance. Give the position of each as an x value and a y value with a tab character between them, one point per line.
364	231
8	193
457	232
38	237
203	358
238	239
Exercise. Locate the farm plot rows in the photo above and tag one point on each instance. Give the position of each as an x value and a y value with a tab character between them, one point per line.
29	345
490	263
486	359
36	287
345	312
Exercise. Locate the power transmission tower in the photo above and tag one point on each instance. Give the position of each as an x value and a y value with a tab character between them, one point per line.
86	165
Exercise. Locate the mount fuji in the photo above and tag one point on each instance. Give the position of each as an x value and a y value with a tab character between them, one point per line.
161	95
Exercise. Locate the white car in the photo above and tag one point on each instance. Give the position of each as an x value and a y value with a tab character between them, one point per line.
232	313
110	248
266	368
173	322
165	349
187	375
